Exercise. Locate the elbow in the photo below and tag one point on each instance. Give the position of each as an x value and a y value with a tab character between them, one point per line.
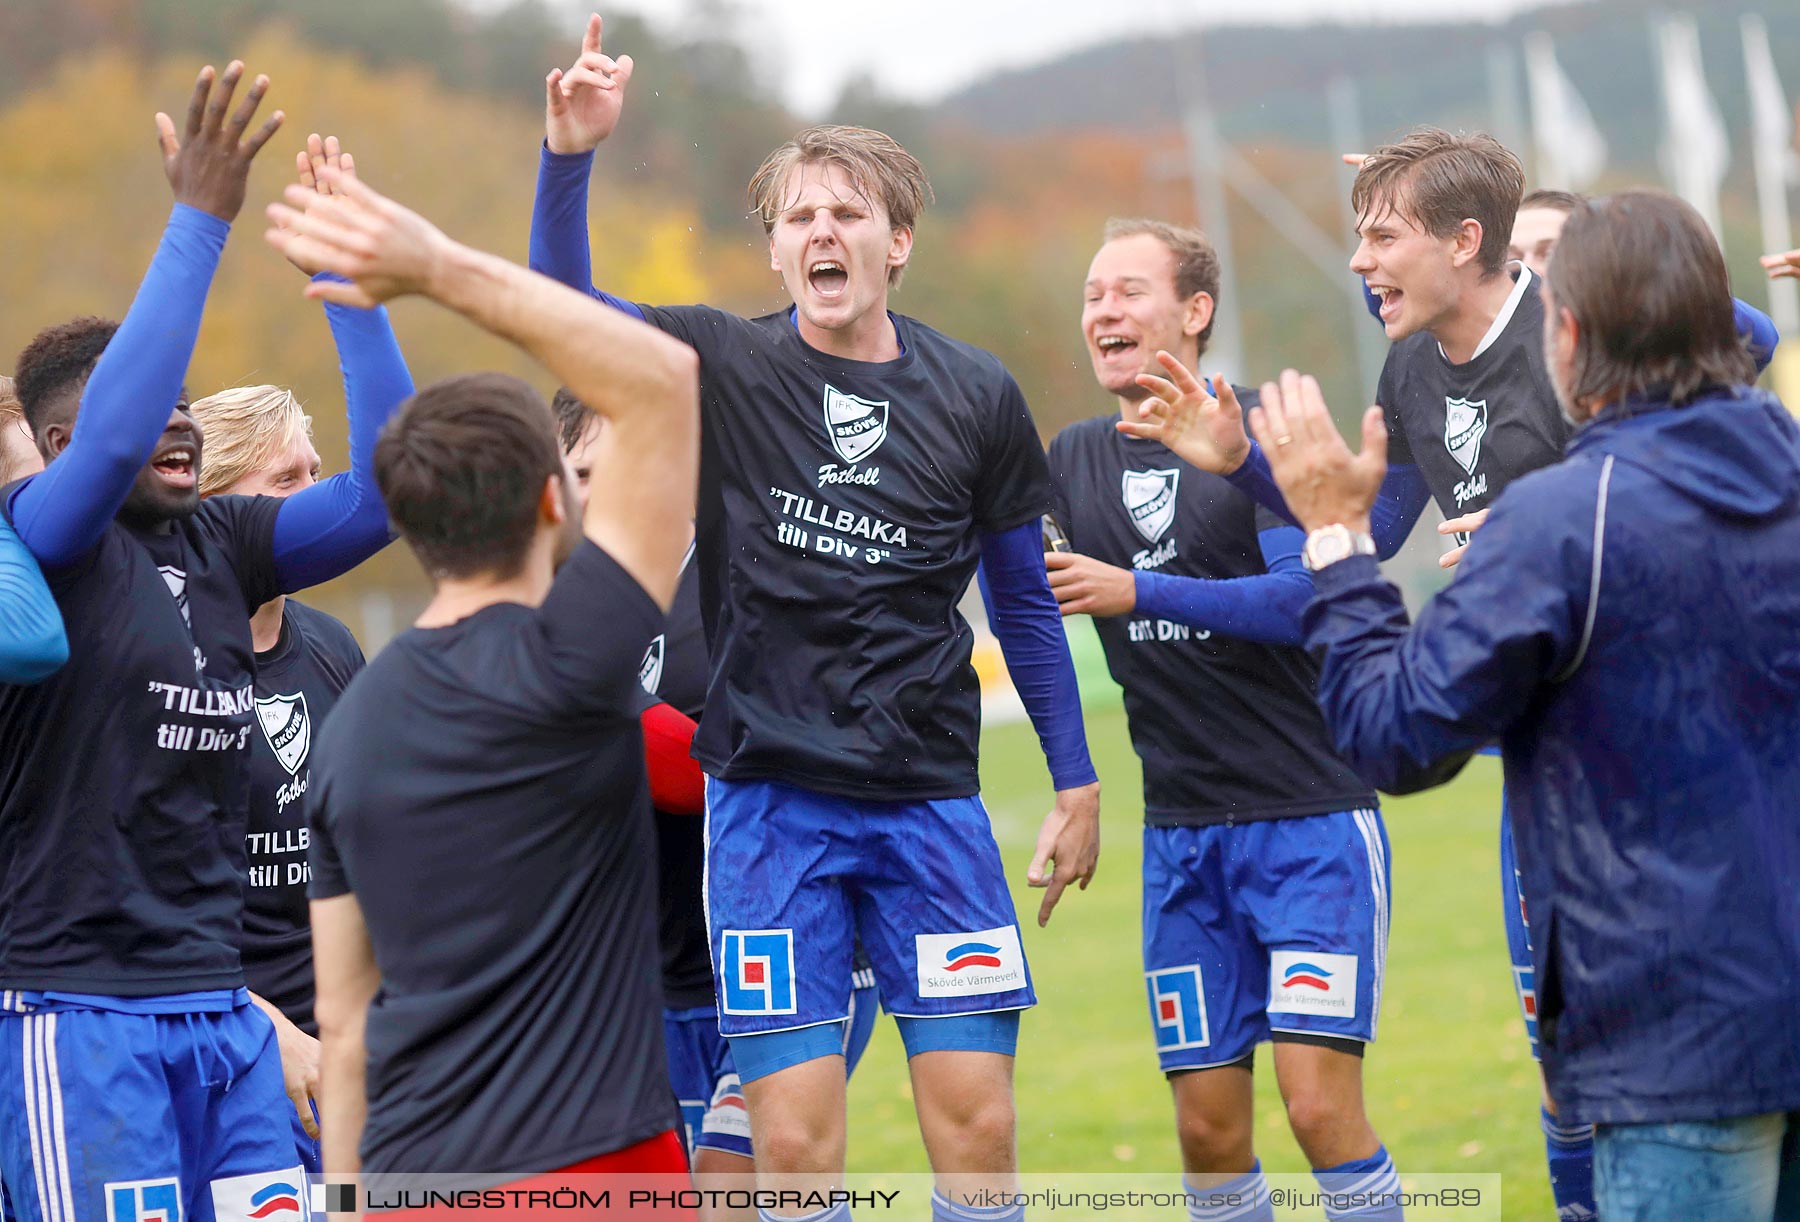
683	372
341	1020
37	660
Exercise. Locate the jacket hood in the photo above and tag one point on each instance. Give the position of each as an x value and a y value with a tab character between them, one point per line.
1736	452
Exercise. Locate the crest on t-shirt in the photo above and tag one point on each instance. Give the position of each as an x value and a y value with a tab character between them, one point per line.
1150	500
287	727
1465	424
176	580
651	668
857	426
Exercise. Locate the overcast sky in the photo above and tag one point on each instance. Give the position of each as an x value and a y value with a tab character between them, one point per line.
922	49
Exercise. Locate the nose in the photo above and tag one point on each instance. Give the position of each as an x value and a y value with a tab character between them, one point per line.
1363	261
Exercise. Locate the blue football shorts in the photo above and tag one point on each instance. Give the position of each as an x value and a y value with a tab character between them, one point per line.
792	875
114	1117
1260	929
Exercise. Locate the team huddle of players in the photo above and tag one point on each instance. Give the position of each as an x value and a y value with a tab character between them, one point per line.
292	913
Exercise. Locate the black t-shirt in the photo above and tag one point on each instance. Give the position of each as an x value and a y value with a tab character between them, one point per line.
674	670
1473	428
297	685
841	509
124	777
480	789
1228	729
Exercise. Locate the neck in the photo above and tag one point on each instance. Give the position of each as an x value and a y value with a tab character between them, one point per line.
457	598
265	625
1461	333
871	337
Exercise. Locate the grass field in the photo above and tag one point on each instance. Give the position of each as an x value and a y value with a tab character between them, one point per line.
1451	1085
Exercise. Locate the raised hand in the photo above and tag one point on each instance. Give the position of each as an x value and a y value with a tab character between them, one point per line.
209	165
385	250
581	106
309	168
1323	482
1785	264
1204	430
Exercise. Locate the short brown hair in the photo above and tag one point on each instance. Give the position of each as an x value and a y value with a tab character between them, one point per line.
1564	202
573	418
1196	262
884	171
1645	279
244	429
461	468
1438	180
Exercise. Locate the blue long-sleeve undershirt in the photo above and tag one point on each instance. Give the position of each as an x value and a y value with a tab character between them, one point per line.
1399	500
559	225
1026	621
32	643
1263	608
125	406
339	522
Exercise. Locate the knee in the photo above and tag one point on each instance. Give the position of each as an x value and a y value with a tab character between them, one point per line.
797	1145
1213	1142
986	1124
1319	1119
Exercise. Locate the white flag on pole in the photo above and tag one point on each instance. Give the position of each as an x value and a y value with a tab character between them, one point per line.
1696	151
1772	134
1571	152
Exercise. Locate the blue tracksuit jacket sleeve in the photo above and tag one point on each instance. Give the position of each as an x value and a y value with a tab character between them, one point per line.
559	225
1024	616
125	406
336	524
1758	330
32	644
1265	608
1407	705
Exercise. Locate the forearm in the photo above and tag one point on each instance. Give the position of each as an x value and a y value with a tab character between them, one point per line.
1264	608
125	406
559	225
1399	501
343	1101
1254	479
335	525
1024	617
32	643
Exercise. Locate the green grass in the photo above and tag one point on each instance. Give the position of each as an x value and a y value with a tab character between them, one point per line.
1451	1086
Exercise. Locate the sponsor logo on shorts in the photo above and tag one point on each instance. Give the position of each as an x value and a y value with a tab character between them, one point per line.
1311	982
727	1114
143	1201
969	964
1524	980
273	1196
1177	1008
756	971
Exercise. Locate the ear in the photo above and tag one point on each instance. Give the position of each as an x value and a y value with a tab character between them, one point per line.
1198	314
1466	246
774	259
900	249
54	439
553	510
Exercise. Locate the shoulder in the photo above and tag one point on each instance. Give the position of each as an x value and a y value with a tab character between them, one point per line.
1553	502
1083	434
981	366
227	519
325	634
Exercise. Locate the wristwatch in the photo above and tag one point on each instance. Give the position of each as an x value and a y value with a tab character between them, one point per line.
1330	544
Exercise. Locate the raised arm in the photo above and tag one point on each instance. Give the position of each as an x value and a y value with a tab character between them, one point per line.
137	382
581	108
338	523
1264	608
645	384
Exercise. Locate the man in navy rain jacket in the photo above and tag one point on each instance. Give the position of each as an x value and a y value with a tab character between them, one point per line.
1627	624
